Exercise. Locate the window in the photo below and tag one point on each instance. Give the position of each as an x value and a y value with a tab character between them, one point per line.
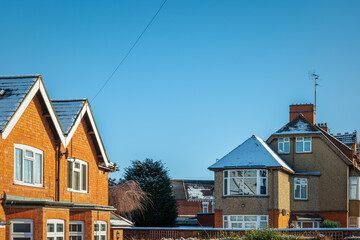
22	229
77	175
245	221
300	188
100	230
307	224
245	182
303	144
354	188
28	166
55	229
205	207
283	145
76	229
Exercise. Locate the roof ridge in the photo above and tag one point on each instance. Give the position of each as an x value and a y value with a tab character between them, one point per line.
20	76
69	100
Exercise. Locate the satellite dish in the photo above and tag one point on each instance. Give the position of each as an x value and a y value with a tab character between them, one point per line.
283	212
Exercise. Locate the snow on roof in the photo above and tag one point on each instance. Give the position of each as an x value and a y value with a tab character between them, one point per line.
298	125
193	190
67	112
253	153
15	88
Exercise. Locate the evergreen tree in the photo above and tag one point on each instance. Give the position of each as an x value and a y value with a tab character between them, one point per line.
153	179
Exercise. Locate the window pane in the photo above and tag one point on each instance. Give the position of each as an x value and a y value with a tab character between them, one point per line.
352	193
21	238
225	224
250	218
297	191
18	164
263	218
263	186
299	146
59	238
103	237
28	171
233	218
226	174
225	187
287	147
49	238
96	227
103	227
304	181
69	177
38	168
22	227
303	192
236	186
307	139
281	148
250	225
50	227
236	225
240	218
77	165
281	140
96	238
263	173
250	173
250	186
29	154
59	227
297	180
76	180
307	146
263	224
84	177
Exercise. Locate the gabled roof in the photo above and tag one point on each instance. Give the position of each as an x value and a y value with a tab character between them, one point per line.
253	153
298	125
67	112
16	92
117	221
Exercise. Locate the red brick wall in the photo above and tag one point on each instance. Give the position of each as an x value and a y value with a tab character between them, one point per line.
206	219
218	219
308	110
341	217
186	207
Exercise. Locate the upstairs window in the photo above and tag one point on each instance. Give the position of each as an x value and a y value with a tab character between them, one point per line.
303	144
28	165
354	188
77	175
245	182
283	145
300	188
205	207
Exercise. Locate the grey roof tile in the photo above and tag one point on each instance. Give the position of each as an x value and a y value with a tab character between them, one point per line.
67	112
16	88
298	125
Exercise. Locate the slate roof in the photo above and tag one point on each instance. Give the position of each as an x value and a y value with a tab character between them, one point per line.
347	138
193	190
253	153
298	125
67	112
16	88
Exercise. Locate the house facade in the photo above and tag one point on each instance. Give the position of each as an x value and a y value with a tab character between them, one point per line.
320	178
54	180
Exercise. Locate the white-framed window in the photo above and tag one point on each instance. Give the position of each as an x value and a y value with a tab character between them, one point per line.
303	144
354	193
205	207
22	229
245	221
77	175
28	165
301	188
307	224
283	145
76	230
55	229
100	230
245	182
354	222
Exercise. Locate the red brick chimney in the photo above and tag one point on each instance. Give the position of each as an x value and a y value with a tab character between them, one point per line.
308	110
324	127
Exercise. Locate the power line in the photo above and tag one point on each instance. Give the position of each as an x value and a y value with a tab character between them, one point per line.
128	52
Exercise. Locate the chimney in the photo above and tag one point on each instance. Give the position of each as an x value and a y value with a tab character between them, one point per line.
323	126
308	110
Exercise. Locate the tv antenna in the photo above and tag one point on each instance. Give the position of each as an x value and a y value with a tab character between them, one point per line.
315	77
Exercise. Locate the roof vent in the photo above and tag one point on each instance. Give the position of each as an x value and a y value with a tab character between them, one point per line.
2	92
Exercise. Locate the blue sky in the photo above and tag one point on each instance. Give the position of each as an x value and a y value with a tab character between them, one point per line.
204	77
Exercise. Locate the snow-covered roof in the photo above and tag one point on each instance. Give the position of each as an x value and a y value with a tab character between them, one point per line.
298	125
117	221
193	190
67	112
346	138
13	90
253	153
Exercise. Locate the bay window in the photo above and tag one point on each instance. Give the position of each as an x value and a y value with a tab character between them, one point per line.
55	229
76	229
28	165
300	188
245	221
303	144
245	182
100	230
77	175
283	145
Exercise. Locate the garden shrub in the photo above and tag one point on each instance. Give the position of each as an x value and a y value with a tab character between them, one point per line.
329	224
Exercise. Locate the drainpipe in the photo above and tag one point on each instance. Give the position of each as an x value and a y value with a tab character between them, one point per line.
273	197
59	155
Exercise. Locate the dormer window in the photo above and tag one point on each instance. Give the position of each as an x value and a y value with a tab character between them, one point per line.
283	145
303	144
28	165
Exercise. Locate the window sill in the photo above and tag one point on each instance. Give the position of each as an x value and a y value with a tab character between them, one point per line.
251	196
28	185
303	152
76	191
284	153
301	199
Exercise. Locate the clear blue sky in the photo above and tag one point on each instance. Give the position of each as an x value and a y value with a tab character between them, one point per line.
206	76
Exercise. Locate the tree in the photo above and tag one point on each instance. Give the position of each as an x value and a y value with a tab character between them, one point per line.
153	179
127	197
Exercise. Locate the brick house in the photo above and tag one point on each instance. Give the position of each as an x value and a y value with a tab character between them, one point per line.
54	168
299	177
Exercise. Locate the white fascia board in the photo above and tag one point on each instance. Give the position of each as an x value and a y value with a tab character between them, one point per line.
86	109
38	85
